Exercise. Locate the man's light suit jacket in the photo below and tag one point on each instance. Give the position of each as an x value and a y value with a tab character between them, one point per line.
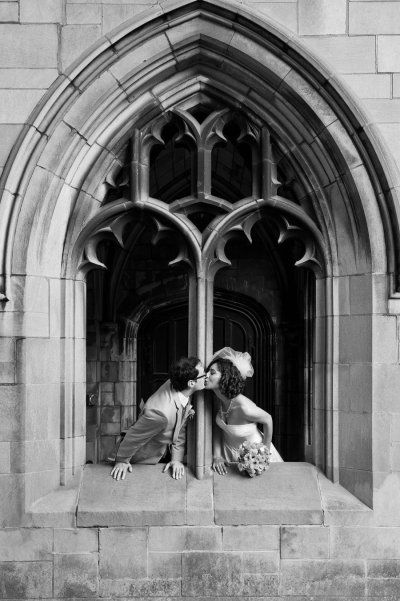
161	423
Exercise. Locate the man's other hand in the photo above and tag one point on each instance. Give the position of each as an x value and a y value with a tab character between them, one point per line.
177	469
119	470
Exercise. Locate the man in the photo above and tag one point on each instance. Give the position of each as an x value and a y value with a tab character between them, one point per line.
162	423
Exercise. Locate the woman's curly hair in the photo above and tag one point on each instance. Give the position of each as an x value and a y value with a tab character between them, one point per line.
231	383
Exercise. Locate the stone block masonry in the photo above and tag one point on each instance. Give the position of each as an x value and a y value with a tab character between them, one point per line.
200	562
345	555
358	39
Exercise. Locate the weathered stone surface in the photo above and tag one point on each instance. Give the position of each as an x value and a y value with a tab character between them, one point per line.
9	12
383	568
11	403
118	13
381	441
17	41
87	14
26	544
40	483
394	457
189	538
127	64
57	509
369	85
355	440
382	587
322	577
304	542
109	371
131	561
345	54
386	345
386	379
322	17
16	105
364	542
75	39
41	11
371	18
38	360
8	136
358	482
76	575
257	51
286	493
284	13
199	499
261	562
75	540
164	565
27	78
141	587
124	393
82	110
383	110
24	580
7	373
355	339
36	455
5	458
212	574
246	538
145	497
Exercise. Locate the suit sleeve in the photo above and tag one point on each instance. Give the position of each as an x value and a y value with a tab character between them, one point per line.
178	447
149	424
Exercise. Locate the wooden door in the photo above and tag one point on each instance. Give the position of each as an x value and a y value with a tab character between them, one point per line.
163	338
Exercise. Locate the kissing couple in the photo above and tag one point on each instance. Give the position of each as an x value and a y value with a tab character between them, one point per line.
159	434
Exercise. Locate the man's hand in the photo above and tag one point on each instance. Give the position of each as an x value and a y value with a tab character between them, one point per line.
119	470
177	469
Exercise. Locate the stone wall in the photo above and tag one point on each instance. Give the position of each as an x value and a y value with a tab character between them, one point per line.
296	563
39	39
360	40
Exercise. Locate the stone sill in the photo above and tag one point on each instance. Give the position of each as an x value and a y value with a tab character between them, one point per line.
289	493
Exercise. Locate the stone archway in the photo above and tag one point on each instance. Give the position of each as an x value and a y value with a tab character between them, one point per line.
342	203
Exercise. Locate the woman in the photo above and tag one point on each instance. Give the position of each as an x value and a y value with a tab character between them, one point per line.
238	416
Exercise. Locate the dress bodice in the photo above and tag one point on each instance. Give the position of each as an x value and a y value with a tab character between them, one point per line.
235	434
240	432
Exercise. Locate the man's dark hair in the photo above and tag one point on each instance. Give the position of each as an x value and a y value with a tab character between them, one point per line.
182	371
231	383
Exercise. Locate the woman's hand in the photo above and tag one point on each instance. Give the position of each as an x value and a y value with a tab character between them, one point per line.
218	465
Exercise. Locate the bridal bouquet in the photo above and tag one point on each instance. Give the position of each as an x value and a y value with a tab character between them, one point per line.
253	458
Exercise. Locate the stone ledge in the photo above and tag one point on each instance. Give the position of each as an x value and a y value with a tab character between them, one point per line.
288	494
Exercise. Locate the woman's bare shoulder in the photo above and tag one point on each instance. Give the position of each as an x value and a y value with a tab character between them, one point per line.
244	403
247	406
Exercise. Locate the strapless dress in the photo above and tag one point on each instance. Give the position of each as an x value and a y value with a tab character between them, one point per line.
234	435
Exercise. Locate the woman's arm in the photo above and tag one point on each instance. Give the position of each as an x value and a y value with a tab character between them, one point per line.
255	414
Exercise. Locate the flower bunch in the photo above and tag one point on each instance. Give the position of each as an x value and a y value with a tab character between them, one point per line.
253	458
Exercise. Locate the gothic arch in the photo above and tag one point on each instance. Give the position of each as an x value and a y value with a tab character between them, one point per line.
52	210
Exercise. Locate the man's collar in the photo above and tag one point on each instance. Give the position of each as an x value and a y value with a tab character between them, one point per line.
183	399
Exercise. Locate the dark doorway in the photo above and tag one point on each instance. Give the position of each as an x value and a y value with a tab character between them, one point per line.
239	322
162	339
